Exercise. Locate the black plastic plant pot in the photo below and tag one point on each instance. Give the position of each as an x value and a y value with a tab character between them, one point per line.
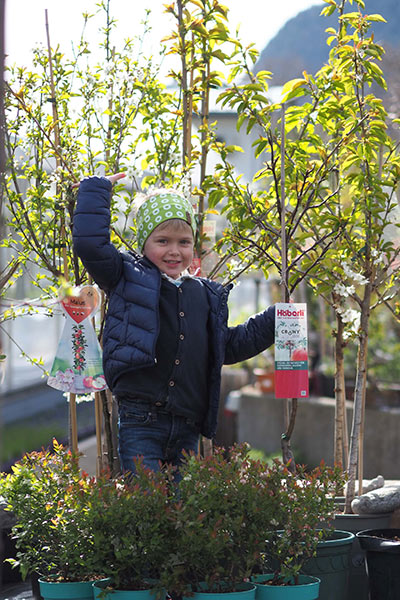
382	547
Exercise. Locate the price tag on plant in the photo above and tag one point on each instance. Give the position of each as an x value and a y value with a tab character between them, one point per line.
291	355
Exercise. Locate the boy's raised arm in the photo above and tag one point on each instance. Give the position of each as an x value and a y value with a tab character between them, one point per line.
91	230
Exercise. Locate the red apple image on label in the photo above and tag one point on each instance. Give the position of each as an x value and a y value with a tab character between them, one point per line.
300	354
96	383
87	381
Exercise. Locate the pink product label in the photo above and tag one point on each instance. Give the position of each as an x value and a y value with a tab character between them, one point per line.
291	350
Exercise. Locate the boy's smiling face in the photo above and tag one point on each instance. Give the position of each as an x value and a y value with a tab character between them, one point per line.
170	247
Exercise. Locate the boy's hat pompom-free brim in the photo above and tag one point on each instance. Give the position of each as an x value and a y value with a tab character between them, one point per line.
159	208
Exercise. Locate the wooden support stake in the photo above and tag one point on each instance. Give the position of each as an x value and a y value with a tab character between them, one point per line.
98	417
361	450
207	447
73	429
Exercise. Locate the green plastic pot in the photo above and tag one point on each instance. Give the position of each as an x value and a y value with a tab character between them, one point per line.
100	593
307	588
332	565
60	590
246	591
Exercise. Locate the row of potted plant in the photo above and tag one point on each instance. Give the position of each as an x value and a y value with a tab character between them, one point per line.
229	518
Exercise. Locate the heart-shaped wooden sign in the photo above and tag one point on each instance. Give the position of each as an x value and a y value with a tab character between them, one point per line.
82	304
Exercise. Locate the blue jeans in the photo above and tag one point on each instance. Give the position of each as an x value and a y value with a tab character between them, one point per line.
158	436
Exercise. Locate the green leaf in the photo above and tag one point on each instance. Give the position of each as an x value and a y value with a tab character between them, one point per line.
376	18
290	87
256	87
377	74
328	11
233	148
259	147
241	118
220	55
262	99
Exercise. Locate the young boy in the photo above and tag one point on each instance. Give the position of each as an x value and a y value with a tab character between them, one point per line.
166	335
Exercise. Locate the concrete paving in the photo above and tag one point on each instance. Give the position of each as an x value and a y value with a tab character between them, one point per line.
17	591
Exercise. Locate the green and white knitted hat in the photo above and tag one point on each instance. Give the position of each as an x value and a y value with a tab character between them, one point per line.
161	207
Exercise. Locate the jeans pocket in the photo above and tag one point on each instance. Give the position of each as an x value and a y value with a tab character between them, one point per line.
133	415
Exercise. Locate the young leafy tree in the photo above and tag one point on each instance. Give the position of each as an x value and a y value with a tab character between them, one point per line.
200	40
285	216
78	115
330	165
68	117
360	271
100	124
363	268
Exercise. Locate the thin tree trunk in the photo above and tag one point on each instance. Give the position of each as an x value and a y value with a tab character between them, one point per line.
287	454
107	429
184	82
205	109
345	425
340	394
359	399
322	330
2	115
290	406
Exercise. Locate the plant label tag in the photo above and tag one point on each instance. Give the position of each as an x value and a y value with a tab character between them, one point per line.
291	355
83	304
77	366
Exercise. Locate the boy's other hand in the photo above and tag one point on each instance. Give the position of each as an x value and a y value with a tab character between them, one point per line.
113	178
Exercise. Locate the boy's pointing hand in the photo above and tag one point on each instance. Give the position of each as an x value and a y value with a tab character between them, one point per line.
113	178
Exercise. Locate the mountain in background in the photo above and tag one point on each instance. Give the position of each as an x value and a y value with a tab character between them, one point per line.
301	43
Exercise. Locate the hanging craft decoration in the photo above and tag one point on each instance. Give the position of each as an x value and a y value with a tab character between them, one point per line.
77	366
291	355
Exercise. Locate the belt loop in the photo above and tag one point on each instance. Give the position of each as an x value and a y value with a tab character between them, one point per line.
153	416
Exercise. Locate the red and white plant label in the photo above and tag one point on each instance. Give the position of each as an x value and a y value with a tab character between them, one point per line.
291	354
82	304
